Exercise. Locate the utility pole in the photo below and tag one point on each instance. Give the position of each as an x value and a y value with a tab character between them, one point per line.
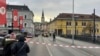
94	30
73	22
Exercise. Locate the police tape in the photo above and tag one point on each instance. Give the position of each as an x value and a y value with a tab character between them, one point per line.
67	46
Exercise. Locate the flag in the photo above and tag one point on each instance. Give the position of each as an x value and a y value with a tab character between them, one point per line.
15	18
3	12
21	22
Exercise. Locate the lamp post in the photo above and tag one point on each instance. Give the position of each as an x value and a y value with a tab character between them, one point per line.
73	20
94	30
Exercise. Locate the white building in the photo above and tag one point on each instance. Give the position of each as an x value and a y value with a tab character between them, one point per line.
24	11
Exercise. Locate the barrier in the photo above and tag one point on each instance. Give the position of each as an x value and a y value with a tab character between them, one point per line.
66	46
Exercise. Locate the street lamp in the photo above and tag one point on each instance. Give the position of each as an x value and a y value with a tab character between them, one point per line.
94	27
73	20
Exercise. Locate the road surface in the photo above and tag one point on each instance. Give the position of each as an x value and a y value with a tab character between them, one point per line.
42	46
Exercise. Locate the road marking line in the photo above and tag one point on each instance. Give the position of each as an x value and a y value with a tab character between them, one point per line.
67	46
61	45
85	47
43	43
78	46
90	47
49	44
55	45
96	47
37	43
31	42
49	51
73	46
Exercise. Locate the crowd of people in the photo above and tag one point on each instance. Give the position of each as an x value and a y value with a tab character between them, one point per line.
15	45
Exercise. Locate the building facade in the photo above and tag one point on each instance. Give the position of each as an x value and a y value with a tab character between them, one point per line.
63	24
24	11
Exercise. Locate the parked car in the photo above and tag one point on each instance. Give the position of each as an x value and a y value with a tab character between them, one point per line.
29	35
45	34
37	34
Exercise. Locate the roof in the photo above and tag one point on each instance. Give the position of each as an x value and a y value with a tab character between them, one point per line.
69	15
19	7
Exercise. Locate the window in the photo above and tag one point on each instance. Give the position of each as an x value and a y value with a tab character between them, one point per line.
83	23
96	25
68	23
25	16
82	16
97	30
69	16
91	16
97	17
76	23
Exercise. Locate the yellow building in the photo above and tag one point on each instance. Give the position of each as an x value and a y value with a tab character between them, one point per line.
62	24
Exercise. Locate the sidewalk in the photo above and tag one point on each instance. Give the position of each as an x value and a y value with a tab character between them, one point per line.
77	42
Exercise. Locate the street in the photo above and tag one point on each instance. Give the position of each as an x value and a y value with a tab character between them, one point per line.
42	46
50	27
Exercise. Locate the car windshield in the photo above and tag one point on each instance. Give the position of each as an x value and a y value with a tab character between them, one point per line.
51	27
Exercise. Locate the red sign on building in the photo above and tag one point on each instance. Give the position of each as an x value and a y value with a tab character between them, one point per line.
3	12
15	18
21	22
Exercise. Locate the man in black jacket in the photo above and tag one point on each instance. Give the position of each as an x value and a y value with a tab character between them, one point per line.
20	48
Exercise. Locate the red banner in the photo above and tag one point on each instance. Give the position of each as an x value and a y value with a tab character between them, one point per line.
2	12
15	18
21	22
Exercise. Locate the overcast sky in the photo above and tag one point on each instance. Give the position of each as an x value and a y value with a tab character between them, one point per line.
53	7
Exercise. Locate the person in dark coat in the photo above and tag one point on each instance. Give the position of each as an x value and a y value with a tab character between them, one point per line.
7	49
7	46
20	48
54	37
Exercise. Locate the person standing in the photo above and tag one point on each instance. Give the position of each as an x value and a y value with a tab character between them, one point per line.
54	37
20	48
8	42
